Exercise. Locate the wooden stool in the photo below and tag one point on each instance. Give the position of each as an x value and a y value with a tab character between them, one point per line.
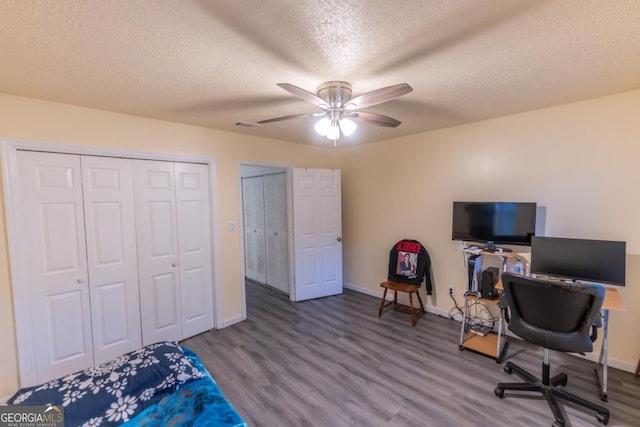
402	287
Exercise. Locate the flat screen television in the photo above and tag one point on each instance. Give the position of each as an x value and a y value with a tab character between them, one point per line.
509	223
598	261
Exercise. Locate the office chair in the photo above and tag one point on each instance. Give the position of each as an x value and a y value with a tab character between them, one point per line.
557	316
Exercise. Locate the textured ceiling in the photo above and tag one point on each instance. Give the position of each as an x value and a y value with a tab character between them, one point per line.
215	63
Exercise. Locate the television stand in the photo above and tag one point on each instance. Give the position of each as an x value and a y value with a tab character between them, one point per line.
493	344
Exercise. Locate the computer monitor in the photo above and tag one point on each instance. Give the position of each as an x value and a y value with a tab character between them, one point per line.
598	261
510	223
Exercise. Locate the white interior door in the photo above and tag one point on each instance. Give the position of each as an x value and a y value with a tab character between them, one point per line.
254	232
111	253
54	241
158	256
194	244
317	229
276	231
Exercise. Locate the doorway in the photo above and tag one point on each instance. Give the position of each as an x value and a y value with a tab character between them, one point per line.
266	224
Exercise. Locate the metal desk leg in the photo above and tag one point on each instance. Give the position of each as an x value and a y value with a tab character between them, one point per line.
500	349
464	321
602	364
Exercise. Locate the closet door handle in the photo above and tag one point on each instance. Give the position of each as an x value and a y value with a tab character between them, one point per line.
173	264
80	280
339	238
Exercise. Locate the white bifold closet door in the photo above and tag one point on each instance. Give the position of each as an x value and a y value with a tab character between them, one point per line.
83	287
276	230
111	255
117	254
254	231
194	248
174	255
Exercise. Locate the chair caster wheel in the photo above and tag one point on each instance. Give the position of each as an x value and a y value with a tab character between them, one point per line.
460	348
603	418
558	424
507	369
499	391
564	382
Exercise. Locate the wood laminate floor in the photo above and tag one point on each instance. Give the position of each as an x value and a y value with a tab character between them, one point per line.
333	362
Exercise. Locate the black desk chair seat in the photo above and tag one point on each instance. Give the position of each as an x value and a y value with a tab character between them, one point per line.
557	316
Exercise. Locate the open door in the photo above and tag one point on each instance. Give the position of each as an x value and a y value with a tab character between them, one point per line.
317	230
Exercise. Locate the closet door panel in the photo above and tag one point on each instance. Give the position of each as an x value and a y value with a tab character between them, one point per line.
276	231
54	242
247	219
112	255
194	244
255	245
156	231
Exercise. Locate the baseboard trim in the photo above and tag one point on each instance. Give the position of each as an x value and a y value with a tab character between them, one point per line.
3	400
237	319
613	363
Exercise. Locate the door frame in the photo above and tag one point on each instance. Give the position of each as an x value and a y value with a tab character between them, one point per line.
18	261
289	171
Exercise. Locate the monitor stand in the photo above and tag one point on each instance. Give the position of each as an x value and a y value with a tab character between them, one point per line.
491	247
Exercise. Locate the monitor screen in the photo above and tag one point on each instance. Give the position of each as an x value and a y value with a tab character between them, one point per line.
599	261
495	222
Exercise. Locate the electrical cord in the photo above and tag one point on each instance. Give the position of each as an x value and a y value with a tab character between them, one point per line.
455	310
474	319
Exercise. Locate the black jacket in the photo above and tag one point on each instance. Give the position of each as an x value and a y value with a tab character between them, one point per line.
409	262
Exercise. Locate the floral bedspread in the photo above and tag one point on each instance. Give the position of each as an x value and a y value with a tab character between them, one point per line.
116	391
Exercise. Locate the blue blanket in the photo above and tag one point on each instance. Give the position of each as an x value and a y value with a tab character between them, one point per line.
199	402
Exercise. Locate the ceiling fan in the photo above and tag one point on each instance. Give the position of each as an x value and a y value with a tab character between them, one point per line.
340	112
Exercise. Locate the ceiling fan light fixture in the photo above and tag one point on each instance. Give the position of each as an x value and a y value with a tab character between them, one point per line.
323	125
347	126
334	132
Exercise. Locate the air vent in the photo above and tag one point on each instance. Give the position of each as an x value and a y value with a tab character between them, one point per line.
247	125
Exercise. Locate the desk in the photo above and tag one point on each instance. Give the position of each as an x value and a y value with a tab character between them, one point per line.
612	301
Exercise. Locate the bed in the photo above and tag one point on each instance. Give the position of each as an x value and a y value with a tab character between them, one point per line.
162	384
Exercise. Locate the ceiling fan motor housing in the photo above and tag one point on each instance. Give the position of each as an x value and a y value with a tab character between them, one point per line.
336	93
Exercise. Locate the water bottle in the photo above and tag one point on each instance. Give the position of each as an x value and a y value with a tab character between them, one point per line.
519	267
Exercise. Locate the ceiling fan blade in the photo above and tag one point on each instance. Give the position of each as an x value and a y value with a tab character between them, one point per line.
378	96
294	116
375	119
303	94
